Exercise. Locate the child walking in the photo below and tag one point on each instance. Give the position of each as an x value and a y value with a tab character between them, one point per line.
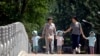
60	42
35	40
92	40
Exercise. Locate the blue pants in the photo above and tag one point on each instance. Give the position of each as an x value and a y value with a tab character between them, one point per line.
75	41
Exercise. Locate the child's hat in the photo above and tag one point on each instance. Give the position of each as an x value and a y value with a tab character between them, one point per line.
59	31
92	32
34	32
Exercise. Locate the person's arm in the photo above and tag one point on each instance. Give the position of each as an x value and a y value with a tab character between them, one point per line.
54	31
63	41
86	38
68	30
95	39
31	39
43	32
81	30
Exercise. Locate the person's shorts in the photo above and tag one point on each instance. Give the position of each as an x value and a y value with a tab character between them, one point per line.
59	48
35	48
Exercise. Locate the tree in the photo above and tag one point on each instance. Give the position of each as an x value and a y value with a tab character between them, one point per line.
31	12
82	9
35	15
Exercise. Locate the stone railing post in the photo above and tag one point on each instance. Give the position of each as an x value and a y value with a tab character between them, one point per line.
13	39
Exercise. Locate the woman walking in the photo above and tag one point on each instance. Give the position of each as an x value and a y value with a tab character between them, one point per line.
49	32
76	32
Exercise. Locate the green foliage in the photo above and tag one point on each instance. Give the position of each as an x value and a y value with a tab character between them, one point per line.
35	15
83	9
8	13
64	10
31	12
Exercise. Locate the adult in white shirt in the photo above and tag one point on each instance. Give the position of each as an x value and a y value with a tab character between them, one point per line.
49	32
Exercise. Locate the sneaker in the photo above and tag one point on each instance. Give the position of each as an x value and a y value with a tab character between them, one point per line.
74	51
78	50
52	52
80	45
48	52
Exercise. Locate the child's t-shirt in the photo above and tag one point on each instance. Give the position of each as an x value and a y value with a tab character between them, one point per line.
35	40
92	41
60	40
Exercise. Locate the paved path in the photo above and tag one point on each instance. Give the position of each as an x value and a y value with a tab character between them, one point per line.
26	54
60	55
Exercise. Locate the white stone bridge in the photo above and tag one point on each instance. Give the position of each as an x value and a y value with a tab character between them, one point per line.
13	39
